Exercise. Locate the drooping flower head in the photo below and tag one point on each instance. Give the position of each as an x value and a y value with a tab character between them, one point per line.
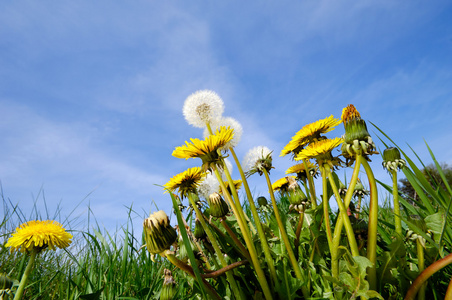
227	122
257	159
203	107
357	139
321	151
39	235
392	160
169	286
159	234
300	170
308	134
186	182
206	149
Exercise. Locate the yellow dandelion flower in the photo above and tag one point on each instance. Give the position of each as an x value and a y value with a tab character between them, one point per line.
39	235
310	133
300	168
205	149
320	150
237	185
186	182
281	184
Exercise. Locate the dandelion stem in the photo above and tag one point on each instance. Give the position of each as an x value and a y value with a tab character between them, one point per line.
421	267
372	230
293	260
395	195
23	281
311	185
215	245
252	249
257	221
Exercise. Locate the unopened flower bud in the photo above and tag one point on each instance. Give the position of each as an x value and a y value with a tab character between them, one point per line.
297	198
199	232
159	234
218	207
357	139
262	201
392	161
169	286
360	190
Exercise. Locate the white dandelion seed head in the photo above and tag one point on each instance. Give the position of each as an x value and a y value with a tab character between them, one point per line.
253	156
201	107
230	168
227	122
208	186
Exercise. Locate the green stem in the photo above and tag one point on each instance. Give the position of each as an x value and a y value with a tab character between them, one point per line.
298	232
23	281
326	214
235	239
252	249
311	185
215	245
426	274
421	267
187	269
340	221
344	216
257	221
395	195
293	261
372	229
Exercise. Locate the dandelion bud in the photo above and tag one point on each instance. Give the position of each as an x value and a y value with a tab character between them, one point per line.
218	207
342	189
297	198
262	201
169	286
159	234
199	232
360	190
418	222
356	138
392	160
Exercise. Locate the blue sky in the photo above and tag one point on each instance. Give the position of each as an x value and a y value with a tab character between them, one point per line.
91	92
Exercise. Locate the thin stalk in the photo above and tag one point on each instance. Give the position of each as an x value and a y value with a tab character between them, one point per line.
298	232
215	245
249	243
187	269
449	290
257	221
293	261
343	212
235	239
372	229
395	195
421	267
23	281
425	275
311	185
326	213
340	221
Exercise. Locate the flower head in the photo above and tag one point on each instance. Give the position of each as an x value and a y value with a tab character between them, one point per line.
300	170
186	182
281	184
227	122
206	149
257	159
39	235
208	185
321	151
298	200
158	233
203	107
218	207
392	160
237	186
308	134
357	139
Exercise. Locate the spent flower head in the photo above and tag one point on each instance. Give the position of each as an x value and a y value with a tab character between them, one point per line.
357	139
158	233
38	236
203	107
257	160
